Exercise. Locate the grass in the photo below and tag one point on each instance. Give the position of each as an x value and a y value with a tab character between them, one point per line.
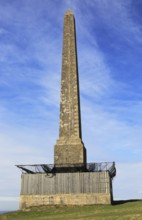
122	210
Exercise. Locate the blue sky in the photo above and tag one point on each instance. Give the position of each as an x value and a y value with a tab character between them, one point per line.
109	42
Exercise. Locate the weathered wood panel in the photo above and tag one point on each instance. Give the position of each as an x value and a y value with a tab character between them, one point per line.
65	183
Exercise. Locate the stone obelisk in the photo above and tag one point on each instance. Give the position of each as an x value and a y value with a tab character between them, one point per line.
69	181
69	149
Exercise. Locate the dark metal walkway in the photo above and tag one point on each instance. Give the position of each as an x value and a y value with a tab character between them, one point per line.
51	168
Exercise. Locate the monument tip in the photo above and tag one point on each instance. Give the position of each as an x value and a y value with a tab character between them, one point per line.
69	12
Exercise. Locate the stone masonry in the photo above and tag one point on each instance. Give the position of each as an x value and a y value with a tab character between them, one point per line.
69	149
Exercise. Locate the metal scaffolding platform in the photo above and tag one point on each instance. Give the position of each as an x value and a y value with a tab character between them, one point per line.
51	168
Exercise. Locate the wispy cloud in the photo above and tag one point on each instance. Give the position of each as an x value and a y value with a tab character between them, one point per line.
109	137
128	173
118	15
5	198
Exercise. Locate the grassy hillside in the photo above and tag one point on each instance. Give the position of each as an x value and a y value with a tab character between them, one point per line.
122	210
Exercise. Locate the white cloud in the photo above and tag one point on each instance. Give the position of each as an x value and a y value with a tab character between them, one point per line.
118	15
127	183
107	137
6	198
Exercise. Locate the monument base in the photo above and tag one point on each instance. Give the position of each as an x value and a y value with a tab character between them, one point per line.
69	152
27	201
78	188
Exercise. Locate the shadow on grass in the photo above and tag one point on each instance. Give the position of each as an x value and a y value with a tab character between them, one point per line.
119	202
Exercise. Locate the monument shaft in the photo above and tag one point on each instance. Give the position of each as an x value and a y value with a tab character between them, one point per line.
69	148
69	107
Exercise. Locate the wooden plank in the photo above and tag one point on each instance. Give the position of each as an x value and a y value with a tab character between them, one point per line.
65	183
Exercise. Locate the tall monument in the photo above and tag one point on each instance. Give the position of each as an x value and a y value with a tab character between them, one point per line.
69	149
70	180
